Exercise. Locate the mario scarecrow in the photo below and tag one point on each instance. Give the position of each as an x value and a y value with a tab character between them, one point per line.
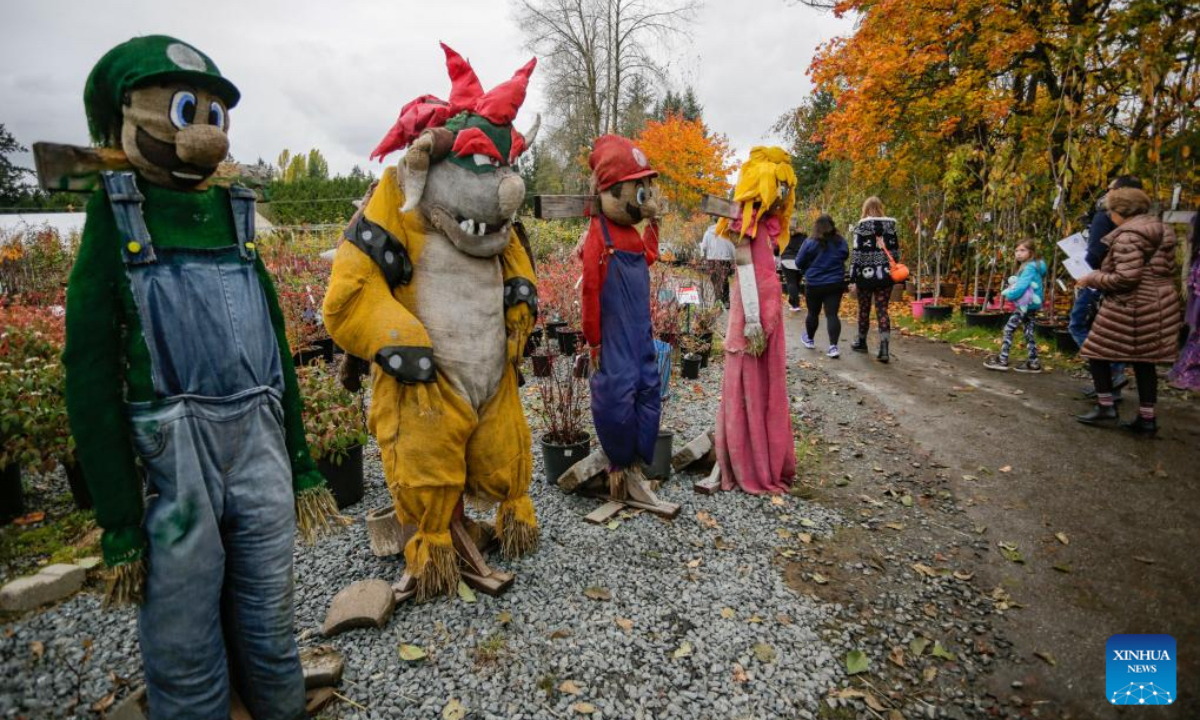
176	360
626	398
435	288
755	448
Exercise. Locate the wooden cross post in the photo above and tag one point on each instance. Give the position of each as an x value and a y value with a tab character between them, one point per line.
71	168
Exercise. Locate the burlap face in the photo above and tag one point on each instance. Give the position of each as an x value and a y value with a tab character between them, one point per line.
175	134
630	202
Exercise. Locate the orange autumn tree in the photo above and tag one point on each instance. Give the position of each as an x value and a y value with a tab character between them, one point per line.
691	162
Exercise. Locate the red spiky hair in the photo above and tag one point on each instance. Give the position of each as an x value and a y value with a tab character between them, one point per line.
498	105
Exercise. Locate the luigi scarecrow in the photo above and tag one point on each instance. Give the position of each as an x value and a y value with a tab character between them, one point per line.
177	362
435	288
626	398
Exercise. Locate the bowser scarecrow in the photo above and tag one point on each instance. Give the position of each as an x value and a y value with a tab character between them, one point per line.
177	361
626	397
433	286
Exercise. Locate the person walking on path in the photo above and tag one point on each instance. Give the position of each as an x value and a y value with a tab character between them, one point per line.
756	450
1025	291
1138	321
718	256
822	259
790	272
1186	373
1083	312
876	246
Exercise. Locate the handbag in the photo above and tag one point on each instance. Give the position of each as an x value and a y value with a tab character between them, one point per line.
898	271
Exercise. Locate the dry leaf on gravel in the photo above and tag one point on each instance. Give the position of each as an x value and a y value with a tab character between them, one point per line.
707	520
624	623
584	708
454	710
569	687
598	593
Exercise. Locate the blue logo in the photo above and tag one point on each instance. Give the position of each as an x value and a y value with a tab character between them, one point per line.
1140	670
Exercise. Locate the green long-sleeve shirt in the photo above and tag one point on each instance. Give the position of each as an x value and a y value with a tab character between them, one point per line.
108	363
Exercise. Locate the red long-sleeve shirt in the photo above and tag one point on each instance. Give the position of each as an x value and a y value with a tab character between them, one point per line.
595	266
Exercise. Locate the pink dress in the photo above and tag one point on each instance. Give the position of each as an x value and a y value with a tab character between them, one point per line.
755	447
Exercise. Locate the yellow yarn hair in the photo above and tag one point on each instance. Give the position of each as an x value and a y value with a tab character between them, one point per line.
758	185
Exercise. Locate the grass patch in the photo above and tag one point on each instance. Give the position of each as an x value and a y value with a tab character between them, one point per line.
63	539
956	332
491	648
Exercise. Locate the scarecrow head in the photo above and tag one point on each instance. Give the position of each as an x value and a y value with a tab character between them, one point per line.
458	168
165	104
624	181
766	186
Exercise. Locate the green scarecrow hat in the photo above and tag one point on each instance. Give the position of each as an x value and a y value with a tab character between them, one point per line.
137	62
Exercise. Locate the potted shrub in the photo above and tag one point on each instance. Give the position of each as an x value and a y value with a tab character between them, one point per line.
694	351
336	428
562	407
542	361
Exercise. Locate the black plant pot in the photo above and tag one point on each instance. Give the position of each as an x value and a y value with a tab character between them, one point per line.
552	329
691	367
557	459
704	359
345	481
1066	343
568	341
583	366
992	320
12	494
79	488
542	365
660	467
937	313
965	308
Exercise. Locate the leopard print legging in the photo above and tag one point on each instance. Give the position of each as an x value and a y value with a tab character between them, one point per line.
879	298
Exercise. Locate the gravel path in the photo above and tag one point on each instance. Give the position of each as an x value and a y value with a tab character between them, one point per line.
699	620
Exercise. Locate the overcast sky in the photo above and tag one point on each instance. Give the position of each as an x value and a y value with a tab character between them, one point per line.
334	75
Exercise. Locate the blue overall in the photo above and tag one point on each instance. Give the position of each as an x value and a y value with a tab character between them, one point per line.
626	405
220	514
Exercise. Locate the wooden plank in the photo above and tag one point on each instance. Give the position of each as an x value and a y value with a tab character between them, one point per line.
405	588
1178	217
710	484
557	207
69	168
604	513
719	207
663	509
497	583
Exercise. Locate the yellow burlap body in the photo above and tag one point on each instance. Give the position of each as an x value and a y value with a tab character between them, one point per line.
435	447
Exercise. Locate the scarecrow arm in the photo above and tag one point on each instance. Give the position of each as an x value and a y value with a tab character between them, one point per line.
520	296
748	284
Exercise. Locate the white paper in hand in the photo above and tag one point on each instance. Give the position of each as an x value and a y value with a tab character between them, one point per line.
1074	246
1077	266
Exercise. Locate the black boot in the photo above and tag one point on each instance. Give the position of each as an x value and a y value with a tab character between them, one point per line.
883	351
1141	426
1100	415
859	345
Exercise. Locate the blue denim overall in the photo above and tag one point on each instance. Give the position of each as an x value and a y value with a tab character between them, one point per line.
626	404
220	515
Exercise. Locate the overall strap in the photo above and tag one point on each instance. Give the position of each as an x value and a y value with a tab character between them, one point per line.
243	200
607	238
126	202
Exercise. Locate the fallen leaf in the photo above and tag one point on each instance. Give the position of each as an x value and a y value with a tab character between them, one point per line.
683	650
930	610
37	649
465	593
805	538
1062	538
1011	553
560	634
765	653
598	593
819	579
848	694
613	524
895	715
584	708
1063	568
1046	658
624	623
777	500
754	619
906	501
569	687
930	674
504	618
783	619
1006	469
104	703
970	478
1145	560
807	523
454	710
963	576
873	703
917	645
728	613
897	656
412	653
694	563
894	526
856	662
707	520
941	652
739	673
784	533
31	518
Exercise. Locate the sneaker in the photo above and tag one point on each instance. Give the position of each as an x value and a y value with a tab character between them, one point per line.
833	352
794	309
995	363
807	342
1029	366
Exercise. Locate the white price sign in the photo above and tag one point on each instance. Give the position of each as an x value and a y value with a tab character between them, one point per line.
688	296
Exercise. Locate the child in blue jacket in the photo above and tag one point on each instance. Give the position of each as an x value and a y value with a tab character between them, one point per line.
1025	291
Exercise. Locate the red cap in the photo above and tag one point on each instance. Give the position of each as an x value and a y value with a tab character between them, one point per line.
615	159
